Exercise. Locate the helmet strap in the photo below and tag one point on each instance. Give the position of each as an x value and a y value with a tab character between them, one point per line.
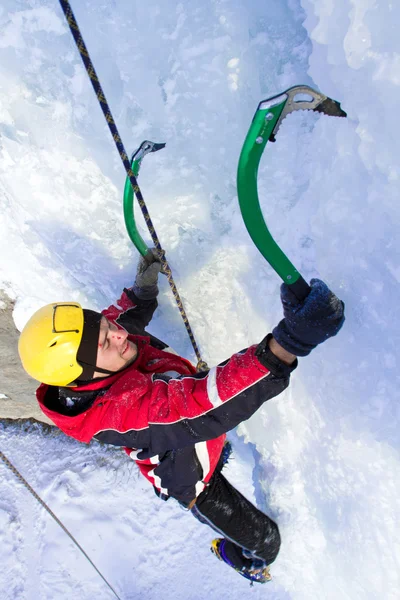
96	368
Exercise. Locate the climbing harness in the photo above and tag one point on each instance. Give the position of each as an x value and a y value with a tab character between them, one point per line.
80	44
264	127
38	498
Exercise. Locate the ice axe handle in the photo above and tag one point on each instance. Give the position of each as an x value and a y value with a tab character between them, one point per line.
300	288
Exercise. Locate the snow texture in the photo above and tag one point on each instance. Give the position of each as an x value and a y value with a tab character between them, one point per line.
323	458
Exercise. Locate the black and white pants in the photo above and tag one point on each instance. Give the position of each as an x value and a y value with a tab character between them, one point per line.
249	533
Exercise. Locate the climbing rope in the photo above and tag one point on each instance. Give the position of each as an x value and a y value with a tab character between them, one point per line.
80	44
38	498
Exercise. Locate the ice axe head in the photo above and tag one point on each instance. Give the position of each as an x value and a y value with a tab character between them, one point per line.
145	148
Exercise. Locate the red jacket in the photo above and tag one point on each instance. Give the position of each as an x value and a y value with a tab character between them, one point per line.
173	426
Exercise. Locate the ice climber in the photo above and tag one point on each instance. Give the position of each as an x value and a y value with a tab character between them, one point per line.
105	378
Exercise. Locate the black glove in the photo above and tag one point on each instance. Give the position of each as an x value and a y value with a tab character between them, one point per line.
310	322
149	266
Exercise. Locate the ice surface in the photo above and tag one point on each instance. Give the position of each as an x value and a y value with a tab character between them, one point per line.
323	458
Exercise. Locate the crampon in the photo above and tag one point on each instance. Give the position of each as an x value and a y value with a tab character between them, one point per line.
256	574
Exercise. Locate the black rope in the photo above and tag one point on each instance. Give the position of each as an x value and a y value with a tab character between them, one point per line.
80	44
38	498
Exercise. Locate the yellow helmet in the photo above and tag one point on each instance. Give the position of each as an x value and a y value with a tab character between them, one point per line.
49	343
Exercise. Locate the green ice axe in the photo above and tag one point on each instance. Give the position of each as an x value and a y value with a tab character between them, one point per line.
136	160
266	122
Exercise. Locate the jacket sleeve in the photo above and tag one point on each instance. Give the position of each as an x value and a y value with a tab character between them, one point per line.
132	313
178	412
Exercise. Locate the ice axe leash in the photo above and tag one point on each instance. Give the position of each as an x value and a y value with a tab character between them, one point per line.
264	127
84	54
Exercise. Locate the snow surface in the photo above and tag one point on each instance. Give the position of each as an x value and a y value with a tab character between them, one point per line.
323	458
